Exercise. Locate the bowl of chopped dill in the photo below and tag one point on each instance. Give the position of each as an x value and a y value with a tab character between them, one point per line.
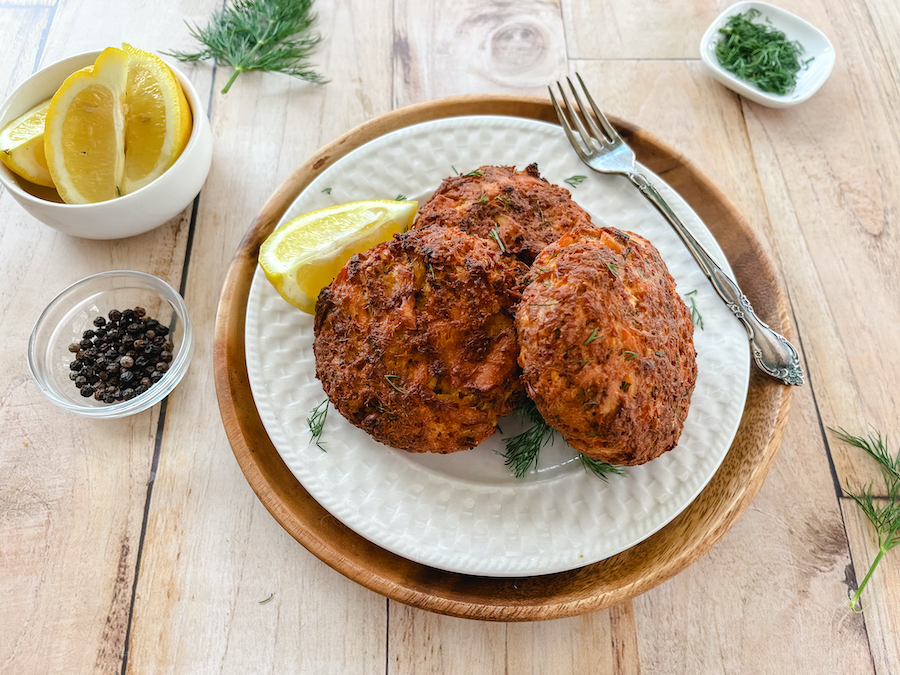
767	54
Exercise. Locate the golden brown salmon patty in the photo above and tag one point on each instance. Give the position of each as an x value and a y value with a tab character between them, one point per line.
606	345
517	209
415	340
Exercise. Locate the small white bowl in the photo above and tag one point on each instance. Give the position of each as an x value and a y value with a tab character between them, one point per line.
814	42
73	311
154	204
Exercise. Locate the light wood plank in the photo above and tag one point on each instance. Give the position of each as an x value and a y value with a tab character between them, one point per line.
212	552
636	29
782	568
881	597
74	489
475	47
424	643
833	188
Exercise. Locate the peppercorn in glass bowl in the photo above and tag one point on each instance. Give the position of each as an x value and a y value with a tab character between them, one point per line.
111	345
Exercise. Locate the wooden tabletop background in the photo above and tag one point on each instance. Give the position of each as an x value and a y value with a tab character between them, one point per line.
137	546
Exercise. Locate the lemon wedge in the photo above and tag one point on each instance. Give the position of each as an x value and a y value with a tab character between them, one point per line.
157	118
305	254
22	146
85	130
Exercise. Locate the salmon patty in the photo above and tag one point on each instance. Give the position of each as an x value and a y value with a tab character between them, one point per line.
517	211
606	345
415	340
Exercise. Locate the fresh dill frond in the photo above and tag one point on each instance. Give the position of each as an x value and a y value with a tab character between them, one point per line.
400	198
629	355
522	449
575	181
600	469
493	234
327	191
269	35
473	174
613	269
882	512
482	199
696	317
316	423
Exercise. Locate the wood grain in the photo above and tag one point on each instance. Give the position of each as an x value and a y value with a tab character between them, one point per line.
817	184
567	594
72	491
641	29
212	553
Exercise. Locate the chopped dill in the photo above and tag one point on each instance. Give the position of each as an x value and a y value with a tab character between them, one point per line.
760	54
696	317
390	382
593	337
629	355
493	234
613	269
262	602
400	198
316	423
482	199
575	181
327	191
476	173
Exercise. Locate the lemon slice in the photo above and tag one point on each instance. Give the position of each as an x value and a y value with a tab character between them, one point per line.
157	118
302	256
85	129
22	146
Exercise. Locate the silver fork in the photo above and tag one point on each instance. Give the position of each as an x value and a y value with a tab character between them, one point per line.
602	149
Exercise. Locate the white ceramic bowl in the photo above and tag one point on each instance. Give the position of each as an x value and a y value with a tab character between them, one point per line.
135	213
73	311
814	42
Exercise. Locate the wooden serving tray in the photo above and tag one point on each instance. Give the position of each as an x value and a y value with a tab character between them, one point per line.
608	582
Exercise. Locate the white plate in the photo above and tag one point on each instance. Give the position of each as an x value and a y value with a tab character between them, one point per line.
465	512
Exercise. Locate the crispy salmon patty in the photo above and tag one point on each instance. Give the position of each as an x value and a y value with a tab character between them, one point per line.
415	340
606	345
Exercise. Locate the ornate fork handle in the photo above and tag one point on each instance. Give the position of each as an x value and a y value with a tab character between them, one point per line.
772	352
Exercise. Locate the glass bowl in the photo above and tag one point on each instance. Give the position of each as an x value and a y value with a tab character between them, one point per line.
73	311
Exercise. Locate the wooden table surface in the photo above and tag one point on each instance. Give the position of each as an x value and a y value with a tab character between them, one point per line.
137	546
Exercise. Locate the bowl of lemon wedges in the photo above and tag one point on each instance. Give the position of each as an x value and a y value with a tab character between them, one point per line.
105	145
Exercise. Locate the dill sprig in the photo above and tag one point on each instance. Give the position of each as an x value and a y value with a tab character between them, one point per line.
883	514
522	449
316	423
760	54
270	35
696	317
575	181
600	469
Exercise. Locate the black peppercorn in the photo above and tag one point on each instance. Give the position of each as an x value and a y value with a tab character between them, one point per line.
122	358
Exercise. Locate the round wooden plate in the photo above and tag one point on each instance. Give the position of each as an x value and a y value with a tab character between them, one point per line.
551	596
